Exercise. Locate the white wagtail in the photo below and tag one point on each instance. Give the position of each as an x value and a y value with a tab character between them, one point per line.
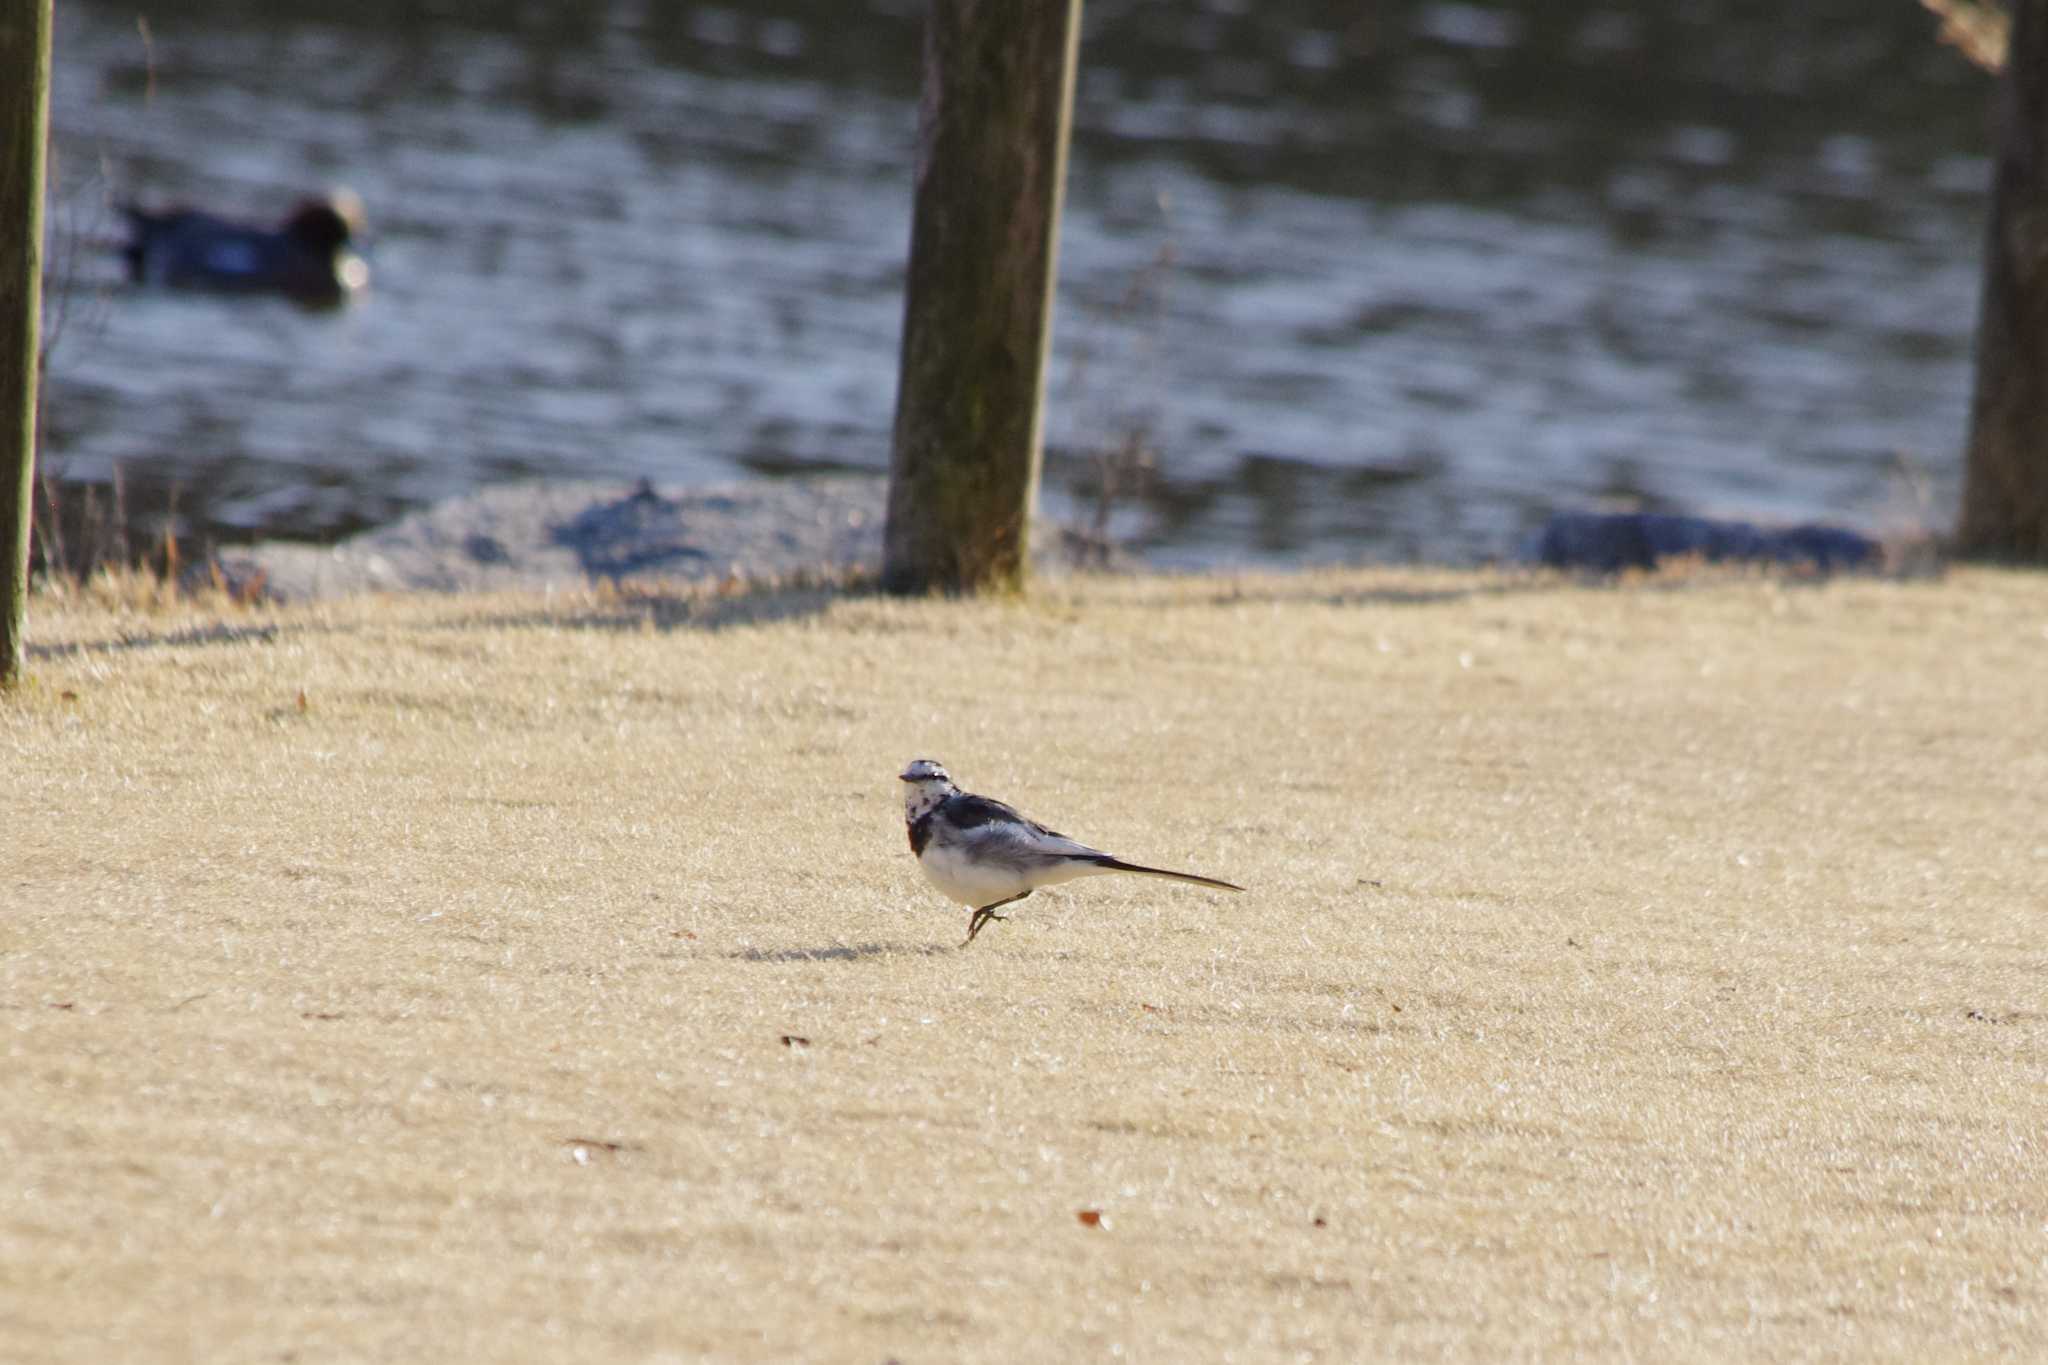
985	854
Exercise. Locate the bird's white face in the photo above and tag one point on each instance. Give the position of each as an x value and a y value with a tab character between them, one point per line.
925	785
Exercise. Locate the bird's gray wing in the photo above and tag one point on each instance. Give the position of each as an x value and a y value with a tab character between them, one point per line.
1005	835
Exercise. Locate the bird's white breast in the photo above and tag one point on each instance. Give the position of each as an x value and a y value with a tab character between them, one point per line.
961	878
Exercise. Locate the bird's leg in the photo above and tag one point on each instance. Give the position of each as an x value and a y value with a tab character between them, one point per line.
988	912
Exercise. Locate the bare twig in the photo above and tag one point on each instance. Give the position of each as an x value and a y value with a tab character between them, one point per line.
1977	30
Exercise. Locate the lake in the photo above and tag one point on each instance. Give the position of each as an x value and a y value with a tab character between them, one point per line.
1355	282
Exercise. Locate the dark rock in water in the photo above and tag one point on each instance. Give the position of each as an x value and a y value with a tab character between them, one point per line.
638	533
485	549
1609	542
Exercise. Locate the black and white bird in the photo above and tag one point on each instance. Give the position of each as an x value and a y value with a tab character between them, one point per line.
985	854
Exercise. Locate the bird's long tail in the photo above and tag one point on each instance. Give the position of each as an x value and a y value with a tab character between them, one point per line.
1119	865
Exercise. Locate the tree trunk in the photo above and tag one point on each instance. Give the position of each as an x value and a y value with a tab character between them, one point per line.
2005	483
24	124
992	153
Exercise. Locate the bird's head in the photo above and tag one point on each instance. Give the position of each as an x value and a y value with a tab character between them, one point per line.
926	770
928	783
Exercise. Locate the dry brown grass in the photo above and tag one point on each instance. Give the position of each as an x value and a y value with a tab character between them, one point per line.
1652	973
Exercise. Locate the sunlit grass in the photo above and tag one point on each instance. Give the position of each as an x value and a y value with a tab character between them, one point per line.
1650	972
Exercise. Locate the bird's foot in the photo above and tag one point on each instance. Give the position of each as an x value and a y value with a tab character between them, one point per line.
981	918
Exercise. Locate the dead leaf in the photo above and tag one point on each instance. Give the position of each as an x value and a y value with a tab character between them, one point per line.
302	701
1090	1218
604	1145
68	695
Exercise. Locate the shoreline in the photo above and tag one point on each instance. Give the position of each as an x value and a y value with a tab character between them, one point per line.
547	536
541	536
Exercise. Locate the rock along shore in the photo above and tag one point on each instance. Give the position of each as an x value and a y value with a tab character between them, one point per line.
541	536
537	536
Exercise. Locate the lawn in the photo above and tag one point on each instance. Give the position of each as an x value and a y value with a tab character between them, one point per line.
1649	972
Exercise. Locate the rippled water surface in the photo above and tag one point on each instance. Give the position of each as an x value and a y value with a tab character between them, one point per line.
1365	281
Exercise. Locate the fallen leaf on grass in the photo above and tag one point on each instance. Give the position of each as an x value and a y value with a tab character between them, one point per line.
1090	1218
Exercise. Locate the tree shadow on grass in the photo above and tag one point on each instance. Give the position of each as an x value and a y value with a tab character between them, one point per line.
1502	582
618	611
218	633
841	952
631	609
1319	594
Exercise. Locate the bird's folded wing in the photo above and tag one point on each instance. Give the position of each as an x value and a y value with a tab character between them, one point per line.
1021	843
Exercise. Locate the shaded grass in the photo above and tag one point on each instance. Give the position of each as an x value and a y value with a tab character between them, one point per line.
1649	972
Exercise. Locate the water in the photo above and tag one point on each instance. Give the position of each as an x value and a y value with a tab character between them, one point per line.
1368	282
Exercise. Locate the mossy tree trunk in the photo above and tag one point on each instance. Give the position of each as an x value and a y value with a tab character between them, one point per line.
992	153
2005	484
24	123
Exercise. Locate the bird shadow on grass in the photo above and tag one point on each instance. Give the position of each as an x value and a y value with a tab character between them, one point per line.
840	952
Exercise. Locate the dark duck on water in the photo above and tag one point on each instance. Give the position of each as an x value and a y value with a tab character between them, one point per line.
309	257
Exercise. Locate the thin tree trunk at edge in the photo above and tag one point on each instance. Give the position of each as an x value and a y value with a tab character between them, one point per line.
24	122
2005	483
